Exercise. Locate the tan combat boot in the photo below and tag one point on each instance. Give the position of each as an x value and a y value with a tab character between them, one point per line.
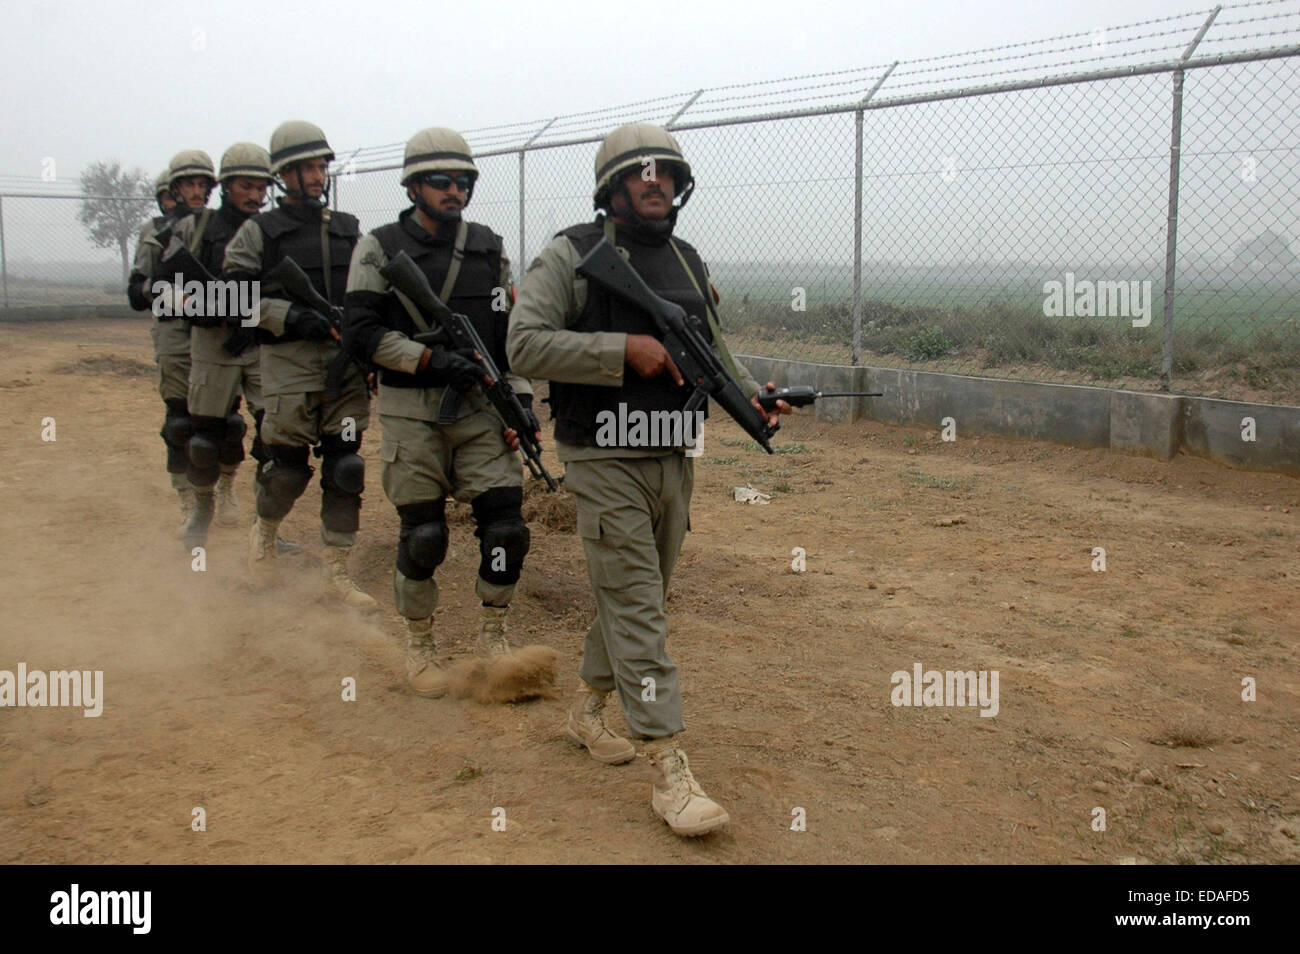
227	503
587	727
424	672
187	510
341	585
196	531
261	552
677	798
492	639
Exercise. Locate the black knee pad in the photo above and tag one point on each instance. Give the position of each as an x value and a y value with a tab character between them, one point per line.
346	473
232	444
342	467
176	428
176	432
422	545
503	535
284	475
205	442
342	478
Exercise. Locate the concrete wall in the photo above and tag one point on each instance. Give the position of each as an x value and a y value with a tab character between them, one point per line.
1157	425
69	312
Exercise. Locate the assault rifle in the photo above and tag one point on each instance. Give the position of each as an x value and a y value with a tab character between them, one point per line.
289	275
604	267
456	332
802	395
181	261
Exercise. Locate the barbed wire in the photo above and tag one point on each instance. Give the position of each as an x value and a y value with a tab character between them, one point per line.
937	73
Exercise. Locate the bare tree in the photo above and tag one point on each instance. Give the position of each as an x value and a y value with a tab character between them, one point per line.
116	204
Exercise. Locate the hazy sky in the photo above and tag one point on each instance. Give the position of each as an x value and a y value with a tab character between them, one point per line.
140	80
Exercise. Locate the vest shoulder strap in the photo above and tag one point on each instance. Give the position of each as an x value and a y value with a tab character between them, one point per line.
715	326
200	226
457	256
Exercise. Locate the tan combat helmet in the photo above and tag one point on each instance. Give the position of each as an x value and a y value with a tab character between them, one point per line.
245	159
632	146
191	162
163	184
437	149
296	140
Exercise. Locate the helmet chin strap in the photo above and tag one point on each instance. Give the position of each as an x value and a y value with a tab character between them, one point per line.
182	207
301	196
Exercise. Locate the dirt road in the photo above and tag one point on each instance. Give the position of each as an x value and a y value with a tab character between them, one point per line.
1118	689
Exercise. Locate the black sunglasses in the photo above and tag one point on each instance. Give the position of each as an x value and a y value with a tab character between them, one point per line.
439	180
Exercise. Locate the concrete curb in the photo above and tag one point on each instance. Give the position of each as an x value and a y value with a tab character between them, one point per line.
1249	436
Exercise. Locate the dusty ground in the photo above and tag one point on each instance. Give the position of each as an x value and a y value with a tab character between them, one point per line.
1119	690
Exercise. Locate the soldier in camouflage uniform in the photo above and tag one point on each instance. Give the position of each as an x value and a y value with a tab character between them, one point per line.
311	393
190	180
224	354
633	502
425	462
162	192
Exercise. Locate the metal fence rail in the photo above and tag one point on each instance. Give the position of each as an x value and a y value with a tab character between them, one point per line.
1117	206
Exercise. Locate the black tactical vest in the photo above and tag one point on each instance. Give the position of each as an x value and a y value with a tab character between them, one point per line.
222	226
294	231
575	406
472	295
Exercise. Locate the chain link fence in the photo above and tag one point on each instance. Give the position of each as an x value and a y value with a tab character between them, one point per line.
1118	207
48	260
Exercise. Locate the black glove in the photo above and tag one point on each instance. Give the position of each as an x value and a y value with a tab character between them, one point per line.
455	368
534	425
308	324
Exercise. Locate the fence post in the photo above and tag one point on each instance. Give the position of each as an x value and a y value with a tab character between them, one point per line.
1171	224
857	215
857	240
523	263
4	254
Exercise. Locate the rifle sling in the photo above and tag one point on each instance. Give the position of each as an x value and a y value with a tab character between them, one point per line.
453	271
715	326
325	253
